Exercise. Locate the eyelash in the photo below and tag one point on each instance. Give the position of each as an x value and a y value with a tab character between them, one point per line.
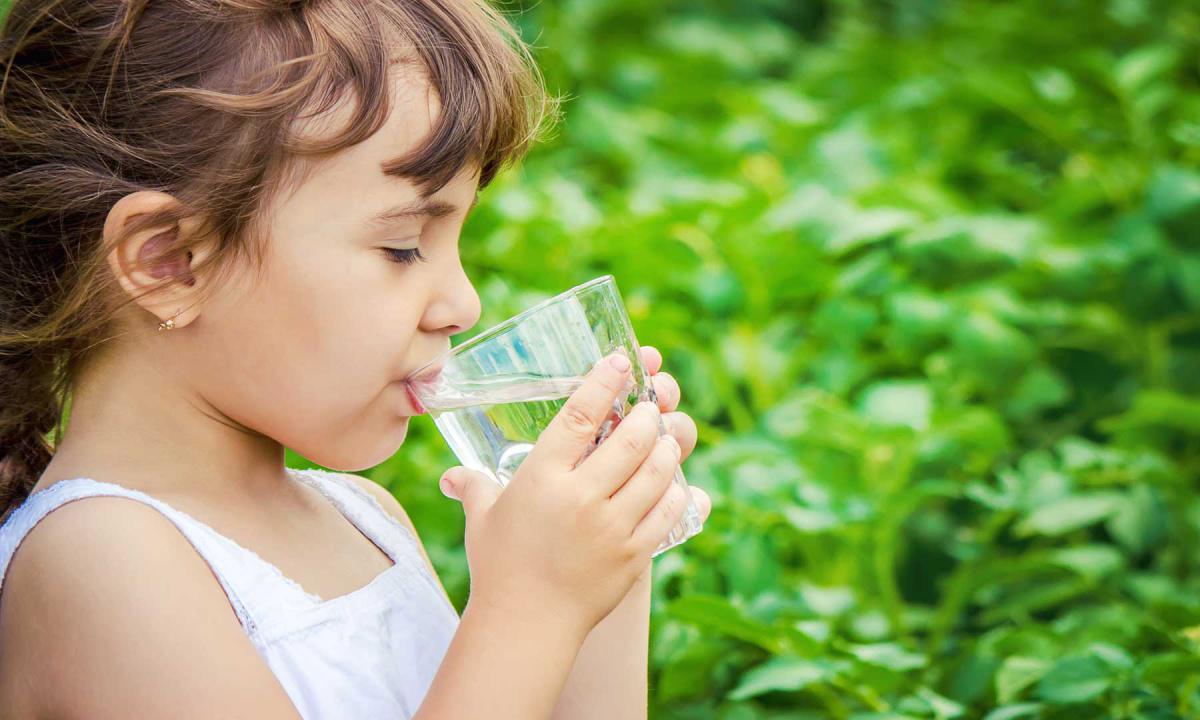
408	256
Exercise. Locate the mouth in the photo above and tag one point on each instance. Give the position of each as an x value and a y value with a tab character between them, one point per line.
423	374
412	398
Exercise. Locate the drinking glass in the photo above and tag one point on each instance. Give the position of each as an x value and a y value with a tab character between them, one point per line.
493	395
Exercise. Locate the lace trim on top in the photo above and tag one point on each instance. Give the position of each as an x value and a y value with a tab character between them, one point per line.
412	560
414	545
399	560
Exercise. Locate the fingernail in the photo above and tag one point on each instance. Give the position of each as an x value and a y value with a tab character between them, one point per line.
447	488
620	362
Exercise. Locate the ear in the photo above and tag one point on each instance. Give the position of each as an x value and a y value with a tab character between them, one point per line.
132	259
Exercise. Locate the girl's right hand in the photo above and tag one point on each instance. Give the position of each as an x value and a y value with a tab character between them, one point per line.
567	539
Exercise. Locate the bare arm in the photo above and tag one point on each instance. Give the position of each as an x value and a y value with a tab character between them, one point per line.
496	667
501	668
108	612
609	679
610	676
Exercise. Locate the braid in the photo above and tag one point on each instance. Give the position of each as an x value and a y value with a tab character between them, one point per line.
32	408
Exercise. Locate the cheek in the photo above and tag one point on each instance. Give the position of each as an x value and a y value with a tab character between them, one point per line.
310	359
340	313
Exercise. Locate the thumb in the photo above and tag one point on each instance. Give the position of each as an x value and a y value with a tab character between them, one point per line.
477	492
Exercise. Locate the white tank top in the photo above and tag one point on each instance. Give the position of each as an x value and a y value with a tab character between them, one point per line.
372	653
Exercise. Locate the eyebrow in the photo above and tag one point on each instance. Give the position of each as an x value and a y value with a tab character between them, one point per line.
418	209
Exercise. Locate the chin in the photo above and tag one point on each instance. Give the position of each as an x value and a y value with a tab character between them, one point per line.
402	432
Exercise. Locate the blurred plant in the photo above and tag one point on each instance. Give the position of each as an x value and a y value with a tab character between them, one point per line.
929	275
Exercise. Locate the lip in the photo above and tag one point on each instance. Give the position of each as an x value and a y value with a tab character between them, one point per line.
412	398
424	373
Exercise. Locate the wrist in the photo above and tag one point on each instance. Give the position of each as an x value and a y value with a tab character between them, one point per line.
530	622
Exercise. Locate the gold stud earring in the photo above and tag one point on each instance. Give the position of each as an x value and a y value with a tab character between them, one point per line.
168	324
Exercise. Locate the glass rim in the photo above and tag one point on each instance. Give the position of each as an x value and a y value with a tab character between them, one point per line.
496	329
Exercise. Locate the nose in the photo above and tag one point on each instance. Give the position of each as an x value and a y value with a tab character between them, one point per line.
455	307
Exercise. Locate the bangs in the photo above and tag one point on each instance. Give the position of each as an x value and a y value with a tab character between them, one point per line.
493	103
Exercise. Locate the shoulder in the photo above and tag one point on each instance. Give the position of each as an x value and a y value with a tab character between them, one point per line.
392	506
107	577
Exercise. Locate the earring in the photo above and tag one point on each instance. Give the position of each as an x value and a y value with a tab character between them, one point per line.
168	324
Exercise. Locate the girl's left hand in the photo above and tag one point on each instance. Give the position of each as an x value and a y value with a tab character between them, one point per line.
678	424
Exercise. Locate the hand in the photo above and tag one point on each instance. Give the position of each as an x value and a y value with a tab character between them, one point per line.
569	535
679	424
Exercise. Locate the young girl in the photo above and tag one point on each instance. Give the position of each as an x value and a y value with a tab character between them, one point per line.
228	227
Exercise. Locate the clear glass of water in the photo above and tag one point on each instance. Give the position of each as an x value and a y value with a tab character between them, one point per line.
493	395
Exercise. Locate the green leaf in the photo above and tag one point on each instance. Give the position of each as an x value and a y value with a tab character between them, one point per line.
790	106
686	673
898	402
827	601
810	520
1138	522
1090	561
943	708
889	655
1143	65
1014	712
1112	655
1069	513
918	318
1054	84
1189	280
992	348
1158	408
1038	390
751	566
1017	673
782	673
717	614
865	226
1171	669
1075	680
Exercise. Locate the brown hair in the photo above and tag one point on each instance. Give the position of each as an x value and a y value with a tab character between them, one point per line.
197	99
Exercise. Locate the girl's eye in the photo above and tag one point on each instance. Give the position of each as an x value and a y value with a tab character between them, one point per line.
407	256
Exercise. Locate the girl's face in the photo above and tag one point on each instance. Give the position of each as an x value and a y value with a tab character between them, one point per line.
361	285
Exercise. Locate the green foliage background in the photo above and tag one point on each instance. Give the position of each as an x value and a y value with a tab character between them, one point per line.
928	273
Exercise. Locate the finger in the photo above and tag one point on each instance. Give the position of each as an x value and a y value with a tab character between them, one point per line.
683	428
475	490
573	429
703	502
661	519
651	358
634	499
622	452
666	389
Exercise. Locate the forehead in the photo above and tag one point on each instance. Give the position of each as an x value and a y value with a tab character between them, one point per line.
412	111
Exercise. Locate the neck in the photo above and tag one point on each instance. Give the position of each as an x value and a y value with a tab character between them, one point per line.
132	424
